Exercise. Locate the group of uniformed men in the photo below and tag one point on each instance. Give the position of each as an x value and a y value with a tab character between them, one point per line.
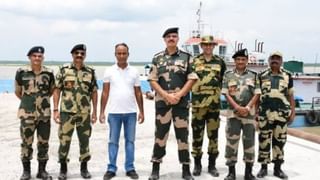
262	99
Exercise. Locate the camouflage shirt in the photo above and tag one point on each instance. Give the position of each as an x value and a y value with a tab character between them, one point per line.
35	90
274	100
241	87
206	91
171	72
76	87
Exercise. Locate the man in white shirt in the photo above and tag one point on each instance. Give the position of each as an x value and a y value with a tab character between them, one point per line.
121	89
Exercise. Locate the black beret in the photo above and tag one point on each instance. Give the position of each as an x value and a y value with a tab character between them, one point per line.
79	47
170	30
242	53
36	49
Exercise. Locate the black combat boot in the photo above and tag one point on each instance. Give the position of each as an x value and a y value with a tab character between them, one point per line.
232	173
278	172
263	171
155	171
63	171
186	172
212	166
84	170
197	166
42	173
26	175
248	172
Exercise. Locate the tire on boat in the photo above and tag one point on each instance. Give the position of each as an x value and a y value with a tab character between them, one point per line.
317	113
312	117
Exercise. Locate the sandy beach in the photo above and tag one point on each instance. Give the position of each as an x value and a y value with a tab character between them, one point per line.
301	157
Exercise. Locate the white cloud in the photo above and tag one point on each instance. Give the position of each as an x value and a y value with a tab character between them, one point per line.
288	25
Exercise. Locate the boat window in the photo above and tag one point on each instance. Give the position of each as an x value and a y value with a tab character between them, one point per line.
196	50
318	87
222	51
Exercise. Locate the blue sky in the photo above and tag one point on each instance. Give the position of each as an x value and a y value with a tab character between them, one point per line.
290	26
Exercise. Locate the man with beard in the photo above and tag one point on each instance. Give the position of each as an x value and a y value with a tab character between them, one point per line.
77	85
276	111
171	77
34	85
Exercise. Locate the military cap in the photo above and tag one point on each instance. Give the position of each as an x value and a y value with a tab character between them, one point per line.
207	40
170	30
79	47
242	53
276	53
36	49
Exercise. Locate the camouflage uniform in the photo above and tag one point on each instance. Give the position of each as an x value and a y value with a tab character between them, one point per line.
76	87
171	72
34	110
242	88
206	103
274	111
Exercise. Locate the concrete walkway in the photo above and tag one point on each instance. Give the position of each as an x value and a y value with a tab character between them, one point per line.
302	158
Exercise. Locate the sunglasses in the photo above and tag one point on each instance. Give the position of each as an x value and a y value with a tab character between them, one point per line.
79	52
172	36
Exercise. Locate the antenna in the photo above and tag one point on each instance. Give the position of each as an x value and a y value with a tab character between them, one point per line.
315	63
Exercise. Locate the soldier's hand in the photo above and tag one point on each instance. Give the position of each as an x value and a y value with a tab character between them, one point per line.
94	117
242	111
172	99
102	118
141	118
56	117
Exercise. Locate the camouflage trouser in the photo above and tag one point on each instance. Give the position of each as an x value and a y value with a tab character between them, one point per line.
83	126
271	133
27	130
233	131
200	118
180	117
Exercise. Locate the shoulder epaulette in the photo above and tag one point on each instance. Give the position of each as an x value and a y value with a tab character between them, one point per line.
89	67
24	68
161	53
217	57
45	68
21	69
263	71
286	71
228	71
252	71
184	52
66	65
198	56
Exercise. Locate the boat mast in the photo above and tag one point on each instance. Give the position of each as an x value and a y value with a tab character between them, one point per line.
199	21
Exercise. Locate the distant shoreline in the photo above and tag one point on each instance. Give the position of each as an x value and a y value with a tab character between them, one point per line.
100	63
53	63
